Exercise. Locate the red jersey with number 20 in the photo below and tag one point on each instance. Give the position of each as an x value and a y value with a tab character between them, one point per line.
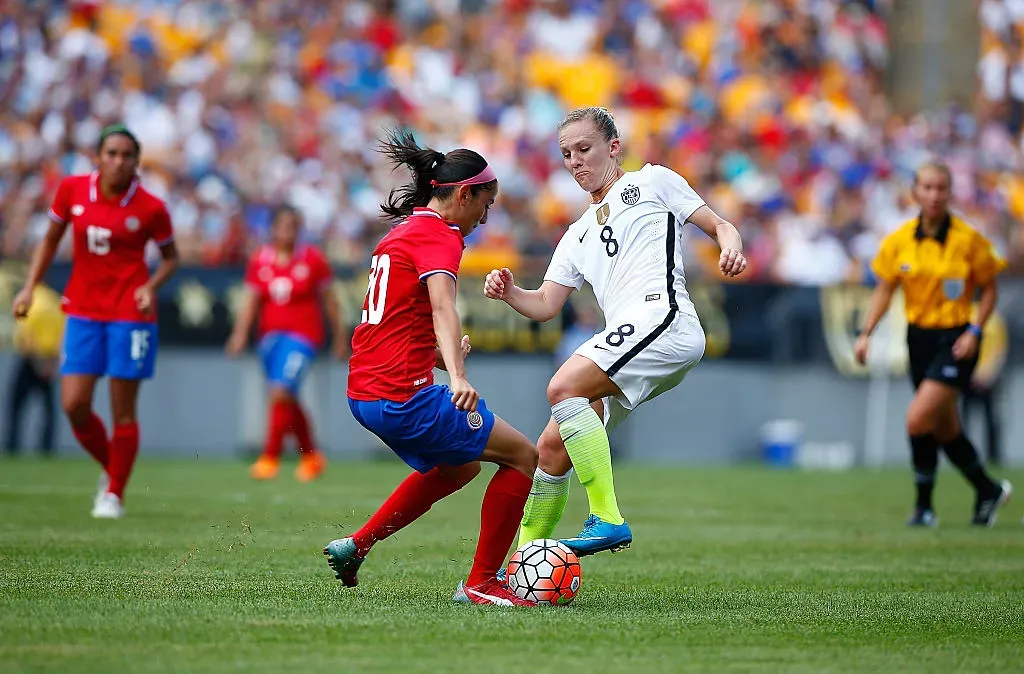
291	291
393	353
109	260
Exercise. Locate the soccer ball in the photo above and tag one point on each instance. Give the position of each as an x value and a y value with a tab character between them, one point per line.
545	571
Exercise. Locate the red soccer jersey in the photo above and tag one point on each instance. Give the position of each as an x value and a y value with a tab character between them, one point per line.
393	346
108	263
290	290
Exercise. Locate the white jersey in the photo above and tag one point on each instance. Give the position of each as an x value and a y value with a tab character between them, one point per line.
628	247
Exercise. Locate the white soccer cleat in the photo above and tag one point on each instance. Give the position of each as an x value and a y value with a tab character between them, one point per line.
108	507
102	485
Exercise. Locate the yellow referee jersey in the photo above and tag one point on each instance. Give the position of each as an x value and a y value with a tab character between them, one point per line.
42	331
938	274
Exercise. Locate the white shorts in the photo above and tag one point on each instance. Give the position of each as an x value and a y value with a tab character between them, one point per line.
645	355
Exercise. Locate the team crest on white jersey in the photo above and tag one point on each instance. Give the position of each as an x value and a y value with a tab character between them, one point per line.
630	195
131	223
77	209
301	271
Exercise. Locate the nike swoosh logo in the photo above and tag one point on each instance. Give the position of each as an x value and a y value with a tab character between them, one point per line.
598	346
584	235
570	436
587	538
497	601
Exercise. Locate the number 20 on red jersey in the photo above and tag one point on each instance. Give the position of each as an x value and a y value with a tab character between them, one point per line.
376	291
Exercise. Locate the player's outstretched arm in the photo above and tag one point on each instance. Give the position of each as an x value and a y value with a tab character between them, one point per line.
731	262
42	257
448	329
541	304
439	359
877	306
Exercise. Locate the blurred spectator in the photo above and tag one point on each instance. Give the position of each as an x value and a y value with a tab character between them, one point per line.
774	109
37	339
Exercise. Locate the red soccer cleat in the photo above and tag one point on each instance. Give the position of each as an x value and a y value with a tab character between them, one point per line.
489	593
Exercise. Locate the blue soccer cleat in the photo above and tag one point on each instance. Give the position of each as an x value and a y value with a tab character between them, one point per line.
343	560
598	536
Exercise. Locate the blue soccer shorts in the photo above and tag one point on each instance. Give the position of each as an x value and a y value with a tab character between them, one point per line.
286	357
428	429
119	349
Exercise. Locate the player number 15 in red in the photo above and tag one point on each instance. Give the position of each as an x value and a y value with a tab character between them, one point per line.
97	239
376	291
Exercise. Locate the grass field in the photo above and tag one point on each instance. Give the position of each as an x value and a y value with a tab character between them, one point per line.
732	570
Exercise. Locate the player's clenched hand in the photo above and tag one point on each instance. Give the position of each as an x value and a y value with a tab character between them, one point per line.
22	302
860	348
732	262
965	346
144	299
463	394
498	282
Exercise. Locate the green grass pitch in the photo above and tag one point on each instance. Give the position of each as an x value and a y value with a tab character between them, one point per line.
733	569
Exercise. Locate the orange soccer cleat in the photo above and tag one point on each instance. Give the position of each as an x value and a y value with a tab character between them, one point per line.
311	465
265	468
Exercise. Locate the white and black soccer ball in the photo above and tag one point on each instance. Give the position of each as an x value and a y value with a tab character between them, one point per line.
545	571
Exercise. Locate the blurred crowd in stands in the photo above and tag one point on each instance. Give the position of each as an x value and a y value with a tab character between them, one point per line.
775	111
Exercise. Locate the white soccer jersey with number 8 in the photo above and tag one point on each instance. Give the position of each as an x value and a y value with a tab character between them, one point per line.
628	247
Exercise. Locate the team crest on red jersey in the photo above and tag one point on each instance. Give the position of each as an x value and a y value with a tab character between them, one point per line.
131	223
77	209
301	271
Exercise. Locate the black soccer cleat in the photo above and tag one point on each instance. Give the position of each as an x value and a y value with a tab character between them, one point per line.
923	517
985	508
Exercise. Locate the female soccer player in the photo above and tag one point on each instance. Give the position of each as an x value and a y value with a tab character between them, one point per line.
627	246
409	326
110	302
287	283
939	261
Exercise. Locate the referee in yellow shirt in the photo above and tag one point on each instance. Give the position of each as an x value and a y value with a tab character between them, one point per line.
38	339
940	262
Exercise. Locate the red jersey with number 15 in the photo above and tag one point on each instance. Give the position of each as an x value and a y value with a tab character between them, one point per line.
393	353
109	260
291	291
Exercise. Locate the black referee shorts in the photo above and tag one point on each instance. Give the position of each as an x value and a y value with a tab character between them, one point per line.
931	357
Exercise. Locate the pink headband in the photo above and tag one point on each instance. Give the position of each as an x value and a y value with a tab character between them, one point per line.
485	176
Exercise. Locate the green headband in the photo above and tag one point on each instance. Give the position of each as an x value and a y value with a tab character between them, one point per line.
119	129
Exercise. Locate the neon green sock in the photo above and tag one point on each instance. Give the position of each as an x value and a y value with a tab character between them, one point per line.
544	507
586	441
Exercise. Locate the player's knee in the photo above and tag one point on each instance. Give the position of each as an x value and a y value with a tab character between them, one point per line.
561	388
78	410
460	475
526	460
920	421
552	457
